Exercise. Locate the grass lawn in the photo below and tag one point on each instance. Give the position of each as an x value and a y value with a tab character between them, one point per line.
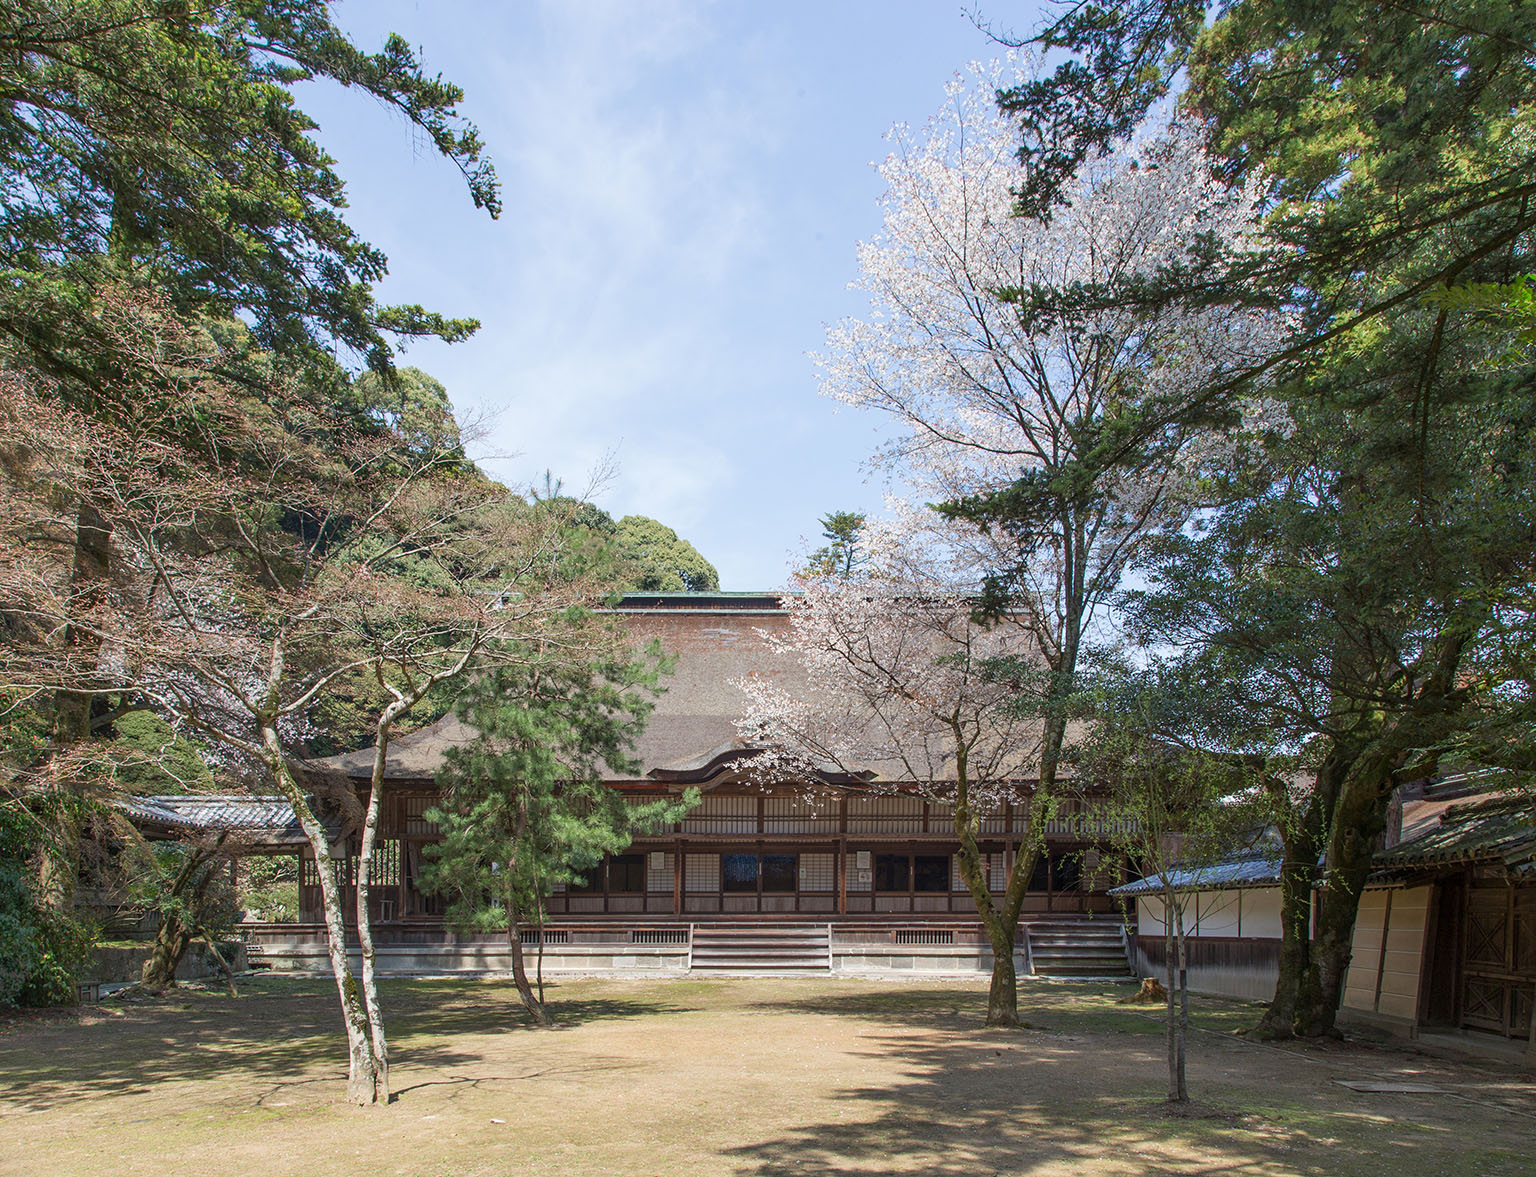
760	1076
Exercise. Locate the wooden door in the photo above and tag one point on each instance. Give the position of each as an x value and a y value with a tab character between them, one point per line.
1499	969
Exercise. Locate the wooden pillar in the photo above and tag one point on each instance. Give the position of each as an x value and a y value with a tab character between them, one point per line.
911	881
842	876
677	877
1530	1049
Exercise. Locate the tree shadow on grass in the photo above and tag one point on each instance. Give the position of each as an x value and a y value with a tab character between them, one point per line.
1057	1007
968	1103
280	1034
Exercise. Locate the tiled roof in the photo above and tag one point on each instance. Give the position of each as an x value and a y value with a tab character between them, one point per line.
1499	828
272	817
1253	868
1491	829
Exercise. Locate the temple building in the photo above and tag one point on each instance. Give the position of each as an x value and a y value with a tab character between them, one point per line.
858	874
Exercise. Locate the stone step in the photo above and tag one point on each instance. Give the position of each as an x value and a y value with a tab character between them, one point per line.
1084	948
777	949
762	953
1106	951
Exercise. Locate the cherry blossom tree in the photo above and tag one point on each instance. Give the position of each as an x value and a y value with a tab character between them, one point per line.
907	690
1000	405
1004	401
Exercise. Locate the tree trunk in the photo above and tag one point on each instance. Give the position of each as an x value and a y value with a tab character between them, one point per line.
532	1004
1001	924
1296	876
59	869
539	960
182	916
362	1067
1180	1090
171	943
213	950
1359	818
1003	995
1302	838
367	841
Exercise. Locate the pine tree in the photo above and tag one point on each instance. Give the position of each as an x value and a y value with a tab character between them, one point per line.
525	805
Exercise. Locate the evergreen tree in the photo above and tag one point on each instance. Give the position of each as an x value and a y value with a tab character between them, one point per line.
842	556
525	805
1362	587
655	559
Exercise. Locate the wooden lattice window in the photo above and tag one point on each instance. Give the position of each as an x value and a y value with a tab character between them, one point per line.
818	872
702	872
384	869
659	871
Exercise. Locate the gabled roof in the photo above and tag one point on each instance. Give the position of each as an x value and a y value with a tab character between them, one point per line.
691	737
269	818
718	640
717	761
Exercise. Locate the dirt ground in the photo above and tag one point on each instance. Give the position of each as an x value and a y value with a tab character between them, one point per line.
764	1077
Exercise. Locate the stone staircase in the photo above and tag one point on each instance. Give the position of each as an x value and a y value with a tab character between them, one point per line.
758	949
1078	948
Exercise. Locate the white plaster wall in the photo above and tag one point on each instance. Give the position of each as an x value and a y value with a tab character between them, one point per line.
1214	913
1261	913
1253	913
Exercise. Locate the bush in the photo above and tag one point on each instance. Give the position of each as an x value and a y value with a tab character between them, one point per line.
42	956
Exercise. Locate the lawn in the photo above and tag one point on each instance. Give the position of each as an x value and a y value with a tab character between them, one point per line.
762	1076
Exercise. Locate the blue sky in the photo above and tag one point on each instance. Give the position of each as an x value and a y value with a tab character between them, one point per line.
685	185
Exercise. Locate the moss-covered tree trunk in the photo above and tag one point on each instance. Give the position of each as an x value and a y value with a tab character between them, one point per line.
1302	841
181	916
172	940
59	868
1359	818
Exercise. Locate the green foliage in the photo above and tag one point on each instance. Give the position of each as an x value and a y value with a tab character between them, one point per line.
1393	143
269	888
415	405
841	556
1179	797
636	553
153	757
186	884
42	955
169	138
651	557
525	805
